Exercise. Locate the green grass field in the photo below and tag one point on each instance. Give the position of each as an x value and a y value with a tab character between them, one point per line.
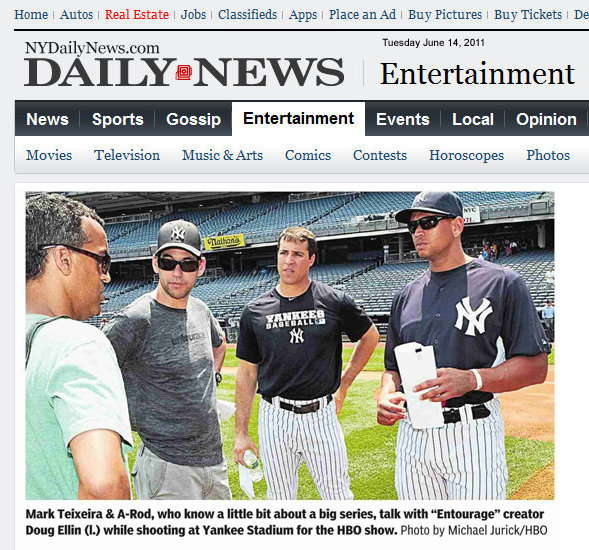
375	364
370	446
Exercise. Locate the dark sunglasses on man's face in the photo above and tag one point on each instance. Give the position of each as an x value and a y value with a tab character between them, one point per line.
169	264
427	222
102	259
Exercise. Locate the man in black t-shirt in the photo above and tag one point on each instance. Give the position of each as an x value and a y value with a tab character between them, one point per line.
487	339
290	347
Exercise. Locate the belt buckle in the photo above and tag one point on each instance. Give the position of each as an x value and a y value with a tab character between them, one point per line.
308	408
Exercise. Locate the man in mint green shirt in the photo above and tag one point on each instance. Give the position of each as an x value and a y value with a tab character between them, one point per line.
78	430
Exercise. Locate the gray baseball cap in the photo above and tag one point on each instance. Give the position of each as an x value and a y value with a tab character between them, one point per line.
179	234
444	203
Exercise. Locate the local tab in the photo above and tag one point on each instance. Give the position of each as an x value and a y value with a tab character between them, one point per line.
459	119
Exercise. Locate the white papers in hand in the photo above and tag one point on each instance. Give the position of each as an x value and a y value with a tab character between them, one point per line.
417	363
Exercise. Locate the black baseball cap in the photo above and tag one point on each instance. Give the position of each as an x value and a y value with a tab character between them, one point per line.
179	234
444	203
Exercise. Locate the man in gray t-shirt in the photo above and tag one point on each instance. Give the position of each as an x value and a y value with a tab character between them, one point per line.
170	350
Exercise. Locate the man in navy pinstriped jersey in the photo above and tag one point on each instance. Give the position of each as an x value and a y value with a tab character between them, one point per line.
476	315
290	346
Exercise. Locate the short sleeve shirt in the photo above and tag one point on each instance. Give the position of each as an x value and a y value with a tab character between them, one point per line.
474	316
166	357
296	342
73	385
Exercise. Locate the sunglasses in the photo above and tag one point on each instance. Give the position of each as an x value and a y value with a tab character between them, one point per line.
169	264
103	260
428	222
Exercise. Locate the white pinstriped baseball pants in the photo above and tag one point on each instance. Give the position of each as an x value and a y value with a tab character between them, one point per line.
286	439
462	461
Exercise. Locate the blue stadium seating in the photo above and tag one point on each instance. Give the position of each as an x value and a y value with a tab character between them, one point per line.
265	220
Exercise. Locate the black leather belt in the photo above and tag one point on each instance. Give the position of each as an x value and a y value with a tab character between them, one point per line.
300	409
451	416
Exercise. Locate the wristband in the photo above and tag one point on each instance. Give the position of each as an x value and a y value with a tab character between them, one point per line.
478	378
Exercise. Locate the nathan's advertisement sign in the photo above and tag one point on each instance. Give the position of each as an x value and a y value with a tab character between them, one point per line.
224	241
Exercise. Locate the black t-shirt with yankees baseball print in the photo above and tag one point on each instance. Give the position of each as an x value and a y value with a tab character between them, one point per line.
296	342
475	316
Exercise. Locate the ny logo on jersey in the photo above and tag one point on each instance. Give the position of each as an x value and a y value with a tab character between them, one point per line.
476	319
178	234
296	336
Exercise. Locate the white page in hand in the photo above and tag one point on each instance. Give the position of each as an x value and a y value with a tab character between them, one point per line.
417	363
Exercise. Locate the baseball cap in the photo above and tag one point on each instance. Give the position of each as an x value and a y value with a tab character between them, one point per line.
444	203
179	234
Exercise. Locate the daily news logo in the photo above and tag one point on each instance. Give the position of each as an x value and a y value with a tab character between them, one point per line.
154	71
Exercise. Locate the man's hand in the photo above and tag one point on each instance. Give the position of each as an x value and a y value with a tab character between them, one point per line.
243	442
390	409
449	383
245	390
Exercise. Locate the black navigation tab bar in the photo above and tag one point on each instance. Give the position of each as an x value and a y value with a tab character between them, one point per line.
477	118
382	118
123	118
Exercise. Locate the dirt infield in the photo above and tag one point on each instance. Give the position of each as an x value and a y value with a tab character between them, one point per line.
529	412
539	487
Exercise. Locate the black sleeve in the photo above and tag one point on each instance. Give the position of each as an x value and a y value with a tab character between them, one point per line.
522	331
393	339
354	320
247	343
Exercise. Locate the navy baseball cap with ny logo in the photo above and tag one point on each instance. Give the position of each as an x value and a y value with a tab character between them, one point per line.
179	234
444	203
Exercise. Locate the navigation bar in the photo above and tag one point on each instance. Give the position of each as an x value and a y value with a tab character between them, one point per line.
371	118
340	15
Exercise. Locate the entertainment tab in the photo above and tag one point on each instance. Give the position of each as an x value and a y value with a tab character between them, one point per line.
123	118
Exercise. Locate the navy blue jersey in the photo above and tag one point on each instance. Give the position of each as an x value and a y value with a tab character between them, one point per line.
475	317
297	342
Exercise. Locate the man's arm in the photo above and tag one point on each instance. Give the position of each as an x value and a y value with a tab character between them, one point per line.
389	406
362	353
515	373
100	467
219	355
245	390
